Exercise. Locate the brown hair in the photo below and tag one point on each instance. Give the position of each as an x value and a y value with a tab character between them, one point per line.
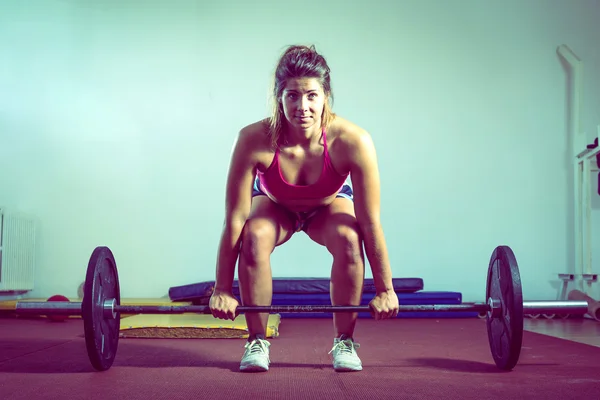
298	62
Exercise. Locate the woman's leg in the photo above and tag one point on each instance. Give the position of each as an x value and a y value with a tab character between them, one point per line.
336	228
268	226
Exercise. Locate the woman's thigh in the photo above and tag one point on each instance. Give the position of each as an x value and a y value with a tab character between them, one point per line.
267	218
333	222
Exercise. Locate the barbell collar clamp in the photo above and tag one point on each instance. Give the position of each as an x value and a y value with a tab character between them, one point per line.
494	308
110	309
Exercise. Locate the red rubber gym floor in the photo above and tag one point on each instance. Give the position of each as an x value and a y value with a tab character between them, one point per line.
403	359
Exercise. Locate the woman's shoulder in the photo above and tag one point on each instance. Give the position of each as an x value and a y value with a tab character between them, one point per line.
256	129
345	132
255	136
254	144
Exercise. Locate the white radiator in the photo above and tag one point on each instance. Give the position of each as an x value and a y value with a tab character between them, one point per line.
17	251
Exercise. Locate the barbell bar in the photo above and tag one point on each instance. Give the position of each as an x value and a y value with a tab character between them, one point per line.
111	309
504	310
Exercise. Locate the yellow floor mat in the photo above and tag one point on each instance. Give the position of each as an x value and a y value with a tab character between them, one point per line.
190	326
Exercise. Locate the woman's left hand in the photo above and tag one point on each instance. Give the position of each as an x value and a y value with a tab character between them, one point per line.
385	305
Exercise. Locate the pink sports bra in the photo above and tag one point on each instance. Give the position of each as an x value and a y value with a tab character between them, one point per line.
330	181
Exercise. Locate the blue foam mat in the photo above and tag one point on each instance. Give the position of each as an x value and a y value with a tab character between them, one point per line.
419	298
201	291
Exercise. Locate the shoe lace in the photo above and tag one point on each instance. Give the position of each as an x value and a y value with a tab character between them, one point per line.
344	347
257	346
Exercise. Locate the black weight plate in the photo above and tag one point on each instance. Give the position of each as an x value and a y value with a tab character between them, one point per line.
101	283
505	333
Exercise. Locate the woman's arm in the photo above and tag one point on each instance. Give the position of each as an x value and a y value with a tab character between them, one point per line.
362	159
238	200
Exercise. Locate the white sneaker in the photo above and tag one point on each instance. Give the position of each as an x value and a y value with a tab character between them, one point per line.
345	357
256	356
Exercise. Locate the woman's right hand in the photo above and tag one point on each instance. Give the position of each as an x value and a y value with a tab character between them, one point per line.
223	305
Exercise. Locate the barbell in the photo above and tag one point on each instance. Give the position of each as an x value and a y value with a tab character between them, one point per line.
101	307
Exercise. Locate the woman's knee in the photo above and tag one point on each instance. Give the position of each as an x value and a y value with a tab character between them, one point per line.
258	241
344	242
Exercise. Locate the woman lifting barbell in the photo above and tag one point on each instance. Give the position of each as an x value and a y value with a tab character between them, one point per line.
288	173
